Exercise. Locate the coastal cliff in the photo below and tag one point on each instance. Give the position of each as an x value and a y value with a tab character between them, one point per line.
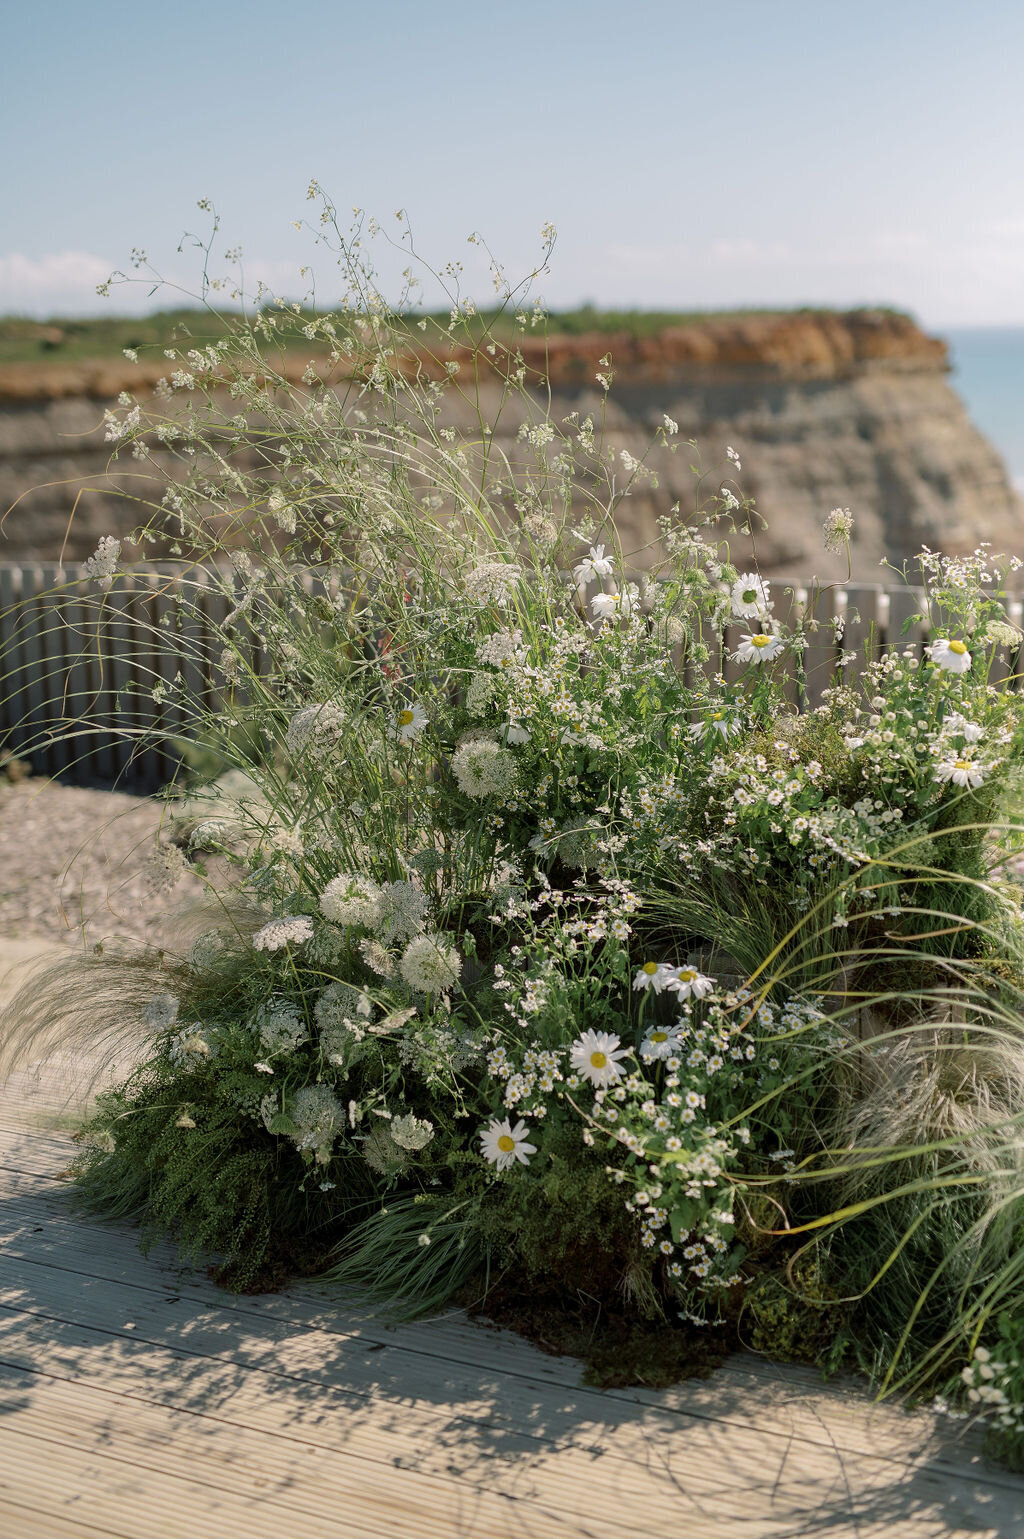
823	410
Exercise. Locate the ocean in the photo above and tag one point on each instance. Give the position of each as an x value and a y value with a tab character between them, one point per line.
988	375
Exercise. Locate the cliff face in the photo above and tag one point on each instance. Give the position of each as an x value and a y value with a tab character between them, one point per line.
824	410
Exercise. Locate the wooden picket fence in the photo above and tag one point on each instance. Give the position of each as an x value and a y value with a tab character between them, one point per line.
78	667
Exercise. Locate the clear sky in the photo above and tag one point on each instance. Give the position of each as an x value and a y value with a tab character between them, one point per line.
692	155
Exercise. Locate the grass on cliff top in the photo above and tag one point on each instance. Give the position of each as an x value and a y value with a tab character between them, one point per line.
79	341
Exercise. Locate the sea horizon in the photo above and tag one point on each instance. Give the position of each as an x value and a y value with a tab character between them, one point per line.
988	375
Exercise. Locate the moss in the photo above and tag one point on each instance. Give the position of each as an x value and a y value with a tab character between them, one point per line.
802	1320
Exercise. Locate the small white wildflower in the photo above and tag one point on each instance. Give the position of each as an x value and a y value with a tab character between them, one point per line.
413	1133
688	983
616	606
962	772
837	529
492	582
652	975
102	564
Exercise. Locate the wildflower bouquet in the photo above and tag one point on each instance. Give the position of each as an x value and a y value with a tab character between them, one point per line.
560	949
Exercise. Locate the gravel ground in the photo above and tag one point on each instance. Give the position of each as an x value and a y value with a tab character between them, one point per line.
79	865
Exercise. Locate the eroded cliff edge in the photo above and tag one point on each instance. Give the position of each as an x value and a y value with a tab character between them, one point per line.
824	410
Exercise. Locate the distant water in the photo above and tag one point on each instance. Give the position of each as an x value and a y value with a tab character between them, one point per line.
988	375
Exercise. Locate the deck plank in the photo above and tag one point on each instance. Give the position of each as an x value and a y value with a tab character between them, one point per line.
139	1400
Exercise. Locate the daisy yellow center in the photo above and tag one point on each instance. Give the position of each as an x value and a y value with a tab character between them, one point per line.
687	974
958	647
961	764
598	1060
650	968
506	1144
718	716
659	1036
760	641
405	718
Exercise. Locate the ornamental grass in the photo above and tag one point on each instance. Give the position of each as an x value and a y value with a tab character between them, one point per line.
561	956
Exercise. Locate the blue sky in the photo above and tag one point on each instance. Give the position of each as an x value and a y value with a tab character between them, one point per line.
691	155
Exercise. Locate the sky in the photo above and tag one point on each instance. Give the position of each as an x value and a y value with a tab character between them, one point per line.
692	156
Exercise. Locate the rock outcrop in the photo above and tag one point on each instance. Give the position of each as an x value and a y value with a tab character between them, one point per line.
823	409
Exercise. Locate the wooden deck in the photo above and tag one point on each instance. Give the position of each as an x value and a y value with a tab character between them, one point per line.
142	1403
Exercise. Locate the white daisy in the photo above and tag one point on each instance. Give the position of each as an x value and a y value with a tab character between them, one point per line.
410	721
615	606
503	1144
596	1056
962	772
718	721
688	983
660	1043
750	596
953	656
596	564
758	648
653	975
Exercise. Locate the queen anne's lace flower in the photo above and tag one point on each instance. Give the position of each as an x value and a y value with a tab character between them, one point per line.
351	899
161	1012
430	964
483	768
492	582
412	1133
401	912
279	1027
503	1144
318	1117
189	1046
500	649
292	930
316	730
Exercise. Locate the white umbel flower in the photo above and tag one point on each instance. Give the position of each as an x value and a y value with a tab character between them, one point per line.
292	930
315	730
161	1012
962	772
503	1144
750	596
758	648
952	656
483	768
596	1056
596	564
351	899
492	582
688	983
410	722
102	564
430	964
411	1132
